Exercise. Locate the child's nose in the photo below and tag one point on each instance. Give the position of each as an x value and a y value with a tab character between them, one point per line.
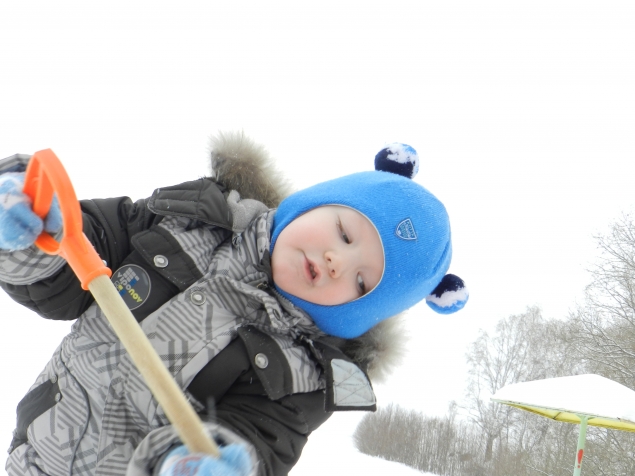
334	263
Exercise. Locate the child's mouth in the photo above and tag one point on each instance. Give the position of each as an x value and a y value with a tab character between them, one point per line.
312	271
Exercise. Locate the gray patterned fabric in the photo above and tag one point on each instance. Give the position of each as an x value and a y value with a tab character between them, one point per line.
101	415
106	410
15	163
28	266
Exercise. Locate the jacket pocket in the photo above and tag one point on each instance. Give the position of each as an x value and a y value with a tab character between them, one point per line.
34	403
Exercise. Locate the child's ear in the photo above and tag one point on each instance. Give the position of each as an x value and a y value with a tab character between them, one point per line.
449	296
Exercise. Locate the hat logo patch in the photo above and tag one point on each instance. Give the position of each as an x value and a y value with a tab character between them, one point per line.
406	230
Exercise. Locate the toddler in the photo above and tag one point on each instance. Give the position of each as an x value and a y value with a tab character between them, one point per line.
271	313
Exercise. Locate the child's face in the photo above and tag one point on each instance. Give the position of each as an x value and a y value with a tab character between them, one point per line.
330	255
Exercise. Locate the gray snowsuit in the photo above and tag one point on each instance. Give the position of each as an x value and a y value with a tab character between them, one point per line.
192	261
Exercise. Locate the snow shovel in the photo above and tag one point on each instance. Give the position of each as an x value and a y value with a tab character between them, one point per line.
46	176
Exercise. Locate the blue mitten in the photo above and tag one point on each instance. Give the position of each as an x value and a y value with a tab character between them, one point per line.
234	461
19	226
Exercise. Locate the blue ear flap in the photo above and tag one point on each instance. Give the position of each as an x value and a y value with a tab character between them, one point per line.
449	296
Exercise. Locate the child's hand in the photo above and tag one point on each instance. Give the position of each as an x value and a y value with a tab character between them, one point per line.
19	226
234	461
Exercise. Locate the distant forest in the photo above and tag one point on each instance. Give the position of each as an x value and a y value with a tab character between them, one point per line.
482	438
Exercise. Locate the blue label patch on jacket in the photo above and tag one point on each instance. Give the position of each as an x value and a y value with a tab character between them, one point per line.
406	230
133	284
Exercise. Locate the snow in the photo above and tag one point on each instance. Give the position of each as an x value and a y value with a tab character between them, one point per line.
331	450
369	465
359	463
581	394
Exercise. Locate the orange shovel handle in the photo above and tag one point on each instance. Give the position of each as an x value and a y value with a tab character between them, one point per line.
45	175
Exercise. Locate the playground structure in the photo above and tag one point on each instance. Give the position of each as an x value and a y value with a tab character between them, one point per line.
580	399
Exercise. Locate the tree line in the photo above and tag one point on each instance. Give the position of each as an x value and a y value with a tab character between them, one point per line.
482	438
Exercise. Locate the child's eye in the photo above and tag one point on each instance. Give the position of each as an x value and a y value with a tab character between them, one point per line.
361	285
343	233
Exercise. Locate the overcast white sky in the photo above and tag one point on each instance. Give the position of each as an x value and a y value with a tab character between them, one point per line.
523	117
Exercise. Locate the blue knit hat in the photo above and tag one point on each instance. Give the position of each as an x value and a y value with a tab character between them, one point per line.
415	233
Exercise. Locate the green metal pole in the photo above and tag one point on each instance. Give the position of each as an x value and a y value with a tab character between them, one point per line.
584	419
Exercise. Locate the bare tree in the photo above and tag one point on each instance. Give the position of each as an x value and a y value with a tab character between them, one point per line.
498	440
604	326
438	445
603	329
524	347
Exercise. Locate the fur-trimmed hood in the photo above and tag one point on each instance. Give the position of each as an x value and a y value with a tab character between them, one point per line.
242	165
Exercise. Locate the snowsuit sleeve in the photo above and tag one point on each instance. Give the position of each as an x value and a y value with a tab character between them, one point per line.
47	285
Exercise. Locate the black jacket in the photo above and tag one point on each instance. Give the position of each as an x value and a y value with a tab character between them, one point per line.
257	403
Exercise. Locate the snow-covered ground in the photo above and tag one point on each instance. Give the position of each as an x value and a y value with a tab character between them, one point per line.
331	450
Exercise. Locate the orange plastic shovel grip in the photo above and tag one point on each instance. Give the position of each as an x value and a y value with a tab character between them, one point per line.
45	176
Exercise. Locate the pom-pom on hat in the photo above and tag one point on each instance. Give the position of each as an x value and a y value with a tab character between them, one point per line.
400	159
414	229
449	296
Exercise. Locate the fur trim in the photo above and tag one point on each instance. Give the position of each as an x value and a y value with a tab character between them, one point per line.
242	165
380	350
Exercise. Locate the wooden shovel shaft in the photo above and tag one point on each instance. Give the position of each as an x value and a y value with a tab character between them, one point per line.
46	176
178	410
